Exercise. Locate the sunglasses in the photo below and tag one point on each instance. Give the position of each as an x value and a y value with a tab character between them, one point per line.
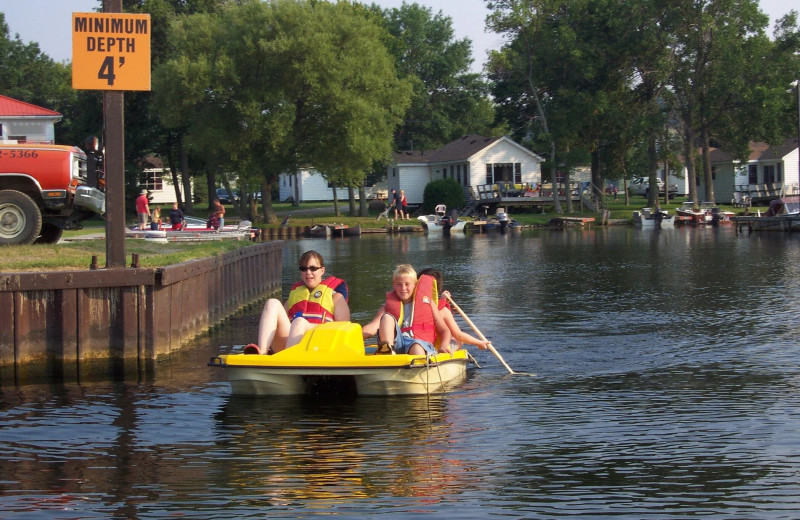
312	268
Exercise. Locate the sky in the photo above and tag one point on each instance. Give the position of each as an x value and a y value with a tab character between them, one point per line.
47	22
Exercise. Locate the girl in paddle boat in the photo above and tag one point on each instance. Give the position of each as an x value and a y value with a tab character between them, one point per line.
311	301
459	336
409	321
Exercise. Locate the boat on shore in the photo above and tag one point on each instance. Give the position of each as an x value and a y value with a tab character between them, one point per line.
691	214
195	230
647	219
334	355
437	223
334	230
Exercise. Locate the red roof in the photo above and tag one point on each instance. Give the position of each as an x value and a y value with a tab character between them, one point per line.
10	107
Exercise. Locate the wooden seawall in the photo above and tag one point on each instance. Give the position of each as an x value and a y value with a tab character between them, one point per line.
68	323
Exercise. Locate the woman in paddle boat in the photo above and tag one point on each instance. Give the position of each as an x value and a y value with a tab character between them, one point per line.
311	301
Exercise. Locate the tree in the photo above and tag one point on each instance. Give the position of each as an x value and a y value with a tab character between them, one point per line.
448	101
265	89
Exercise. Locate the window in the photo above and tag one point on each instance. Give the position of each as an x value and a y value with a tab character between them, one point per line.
769	174
503	172
458	173
713	173
154	182
779	172
752	174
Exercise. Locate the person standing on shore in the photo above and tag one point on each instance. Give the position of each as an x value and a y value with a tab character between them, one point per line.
397	203
142	209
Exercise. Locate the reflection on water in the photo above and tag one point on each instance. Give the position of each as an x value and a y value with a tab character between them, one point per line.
667	386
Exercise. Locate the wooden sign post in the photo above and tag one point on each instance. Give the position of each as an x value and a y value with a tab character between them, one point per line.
111	52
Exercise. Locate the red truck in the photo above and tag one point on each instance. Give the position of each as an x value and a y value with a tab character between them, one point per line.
44	189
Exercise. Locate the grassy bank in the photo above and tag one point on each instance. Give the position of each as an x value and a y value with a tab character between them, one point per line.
78	254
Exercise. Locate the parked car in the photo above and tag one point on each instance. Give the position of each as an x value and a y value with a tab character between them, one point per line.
222	195
641	186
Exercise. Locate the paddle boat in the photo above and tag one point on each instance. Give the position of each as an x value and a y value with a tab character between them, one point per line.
334	355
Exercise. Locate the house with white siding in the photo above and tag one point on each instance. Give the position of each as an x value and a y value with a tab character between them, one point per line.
158	181
770	172
307	185
471	161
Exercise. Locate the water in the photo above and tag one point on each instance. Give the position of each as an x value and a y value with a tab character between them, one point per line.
667	387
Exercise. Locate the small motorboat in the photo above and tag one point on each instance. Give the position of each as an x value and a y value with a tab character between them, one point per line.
334	355
647	219
441	221
438	224
692	214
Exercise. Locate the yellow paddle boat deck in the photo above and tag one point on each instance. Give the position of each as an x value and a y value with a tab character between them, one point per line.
333	355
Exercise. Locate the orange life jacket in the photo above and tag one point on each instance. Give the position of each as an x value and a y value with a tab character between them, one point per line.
422	325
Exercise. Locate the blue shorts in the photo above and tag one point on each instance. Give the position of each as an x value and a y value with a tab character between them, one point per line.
402	343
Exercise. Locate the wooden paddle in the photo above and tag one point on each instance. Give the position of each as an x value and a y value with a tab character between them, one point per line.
480	335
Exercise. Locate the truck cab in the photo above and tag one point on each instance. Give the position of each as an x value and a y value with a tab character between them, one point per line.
44	189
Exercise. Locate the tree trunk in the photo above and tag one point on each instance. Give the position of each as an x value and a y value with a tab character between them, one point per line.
351	193
266	203
363	207
652	177
188	202
707	172
335	201
688	152
597	172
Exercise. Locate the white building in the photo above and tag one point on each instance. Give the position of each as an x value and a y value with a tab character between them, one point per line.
26	123
770	172
471	161
158	181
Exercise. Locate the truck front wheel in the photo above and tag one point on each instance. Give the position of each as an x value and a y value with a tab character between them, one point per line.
50	234
20	218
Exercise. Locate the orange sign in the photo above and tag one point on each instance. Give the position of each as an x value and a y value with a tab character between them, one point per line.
111	51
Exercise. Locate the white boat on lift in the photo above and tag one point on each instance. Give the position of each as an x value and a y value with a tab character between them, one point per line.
440	221
647	219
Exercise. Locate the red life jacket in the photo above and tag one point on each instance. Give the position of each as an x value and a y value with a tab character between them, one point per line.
422	323
316	306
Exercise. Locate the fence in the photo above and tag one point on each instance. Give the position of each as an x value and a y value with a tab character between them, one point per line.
55	323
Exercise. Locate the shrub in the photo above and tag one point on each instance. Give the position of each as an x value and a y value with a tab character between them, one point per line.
443	191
